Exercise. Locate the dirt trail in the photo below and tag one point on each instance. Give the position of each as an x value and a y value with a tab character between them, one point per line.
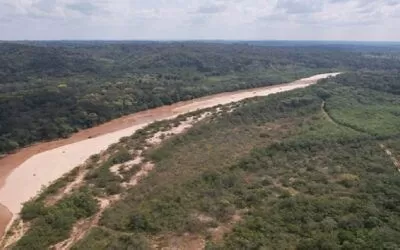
387	151
325	114
81	228
45	162
75	184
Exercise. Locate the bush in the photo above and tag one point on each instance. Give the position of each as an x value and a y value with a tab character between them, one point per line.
121	156
101	239
113	188
55	223
32	209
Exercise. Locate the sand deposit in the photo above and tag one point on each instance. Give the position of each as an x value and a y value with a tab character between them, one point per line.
27	171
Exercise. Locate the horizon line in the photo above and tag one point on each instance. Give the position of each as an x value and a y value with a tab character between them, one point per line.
195	40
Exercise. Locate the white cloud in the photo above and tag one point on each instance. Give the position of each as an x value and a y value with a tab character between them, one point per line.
300	6
200	19
211	8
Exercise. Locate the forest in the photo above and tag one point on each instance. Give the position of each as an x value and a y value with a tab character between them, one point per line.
50	90
307	169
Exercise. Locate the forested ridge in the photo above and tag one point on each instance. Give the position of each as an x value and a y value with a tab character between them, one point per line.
307	169
52	89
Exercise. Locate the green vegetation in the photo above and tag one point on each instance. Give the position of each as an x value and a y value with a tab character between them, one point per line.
60	183
53	224
354	107
298	176
50	90
105	239
102	178
306	169
43	215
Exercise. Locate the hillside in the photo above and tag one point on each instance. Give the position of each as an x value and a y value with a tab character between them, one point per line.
49	90
315	168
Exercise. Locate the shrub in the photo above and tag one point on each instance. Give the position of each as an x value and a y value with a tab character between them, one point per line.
32	209
121	156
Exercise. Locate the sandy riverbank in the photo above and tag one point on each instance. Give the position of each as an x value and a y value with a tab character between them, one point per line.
24	173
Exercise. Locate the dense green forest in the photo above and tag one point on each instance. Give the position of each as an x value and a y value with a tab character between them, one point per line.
303	175
49	90
307	169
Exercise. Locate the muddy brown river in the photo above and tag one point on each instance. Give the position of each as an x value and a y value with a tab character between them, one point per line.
23	174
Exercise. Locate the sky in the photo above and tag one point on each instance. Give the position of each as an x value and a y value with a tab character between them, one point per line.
360	20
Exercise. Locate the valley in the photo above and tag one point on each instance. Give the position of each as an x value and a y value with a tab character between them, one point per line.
55	162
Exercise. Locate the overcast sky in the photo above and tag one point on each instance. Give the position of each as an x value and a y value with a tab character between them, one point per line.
200	19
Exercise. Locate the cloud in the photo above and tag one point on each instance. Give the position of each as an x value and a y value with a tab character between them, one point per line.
85	8
333	13
300	6
200	19
392	2
211	9
5	20
45	5
273	17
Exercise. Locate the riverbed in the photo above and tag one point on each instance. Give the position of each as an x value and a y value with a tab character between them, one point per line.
23	174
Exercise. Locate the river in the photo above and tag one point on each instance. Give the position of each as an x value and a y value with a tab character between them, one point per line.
23	174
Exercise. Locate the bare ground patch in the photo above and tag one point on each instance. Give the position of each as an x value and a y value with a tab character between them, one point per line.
389	153
82	227
186	241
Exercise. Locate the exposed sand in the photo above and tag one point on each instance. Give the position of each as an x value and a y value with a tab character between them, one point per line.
23	174
81	228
